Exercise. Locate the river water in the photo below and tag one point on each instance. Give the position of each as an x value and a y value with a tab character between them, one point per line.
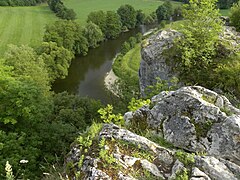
86	73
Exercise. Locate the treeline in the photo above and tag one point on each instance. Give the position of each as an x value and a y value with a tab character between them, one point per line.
222	4
61	10
20	2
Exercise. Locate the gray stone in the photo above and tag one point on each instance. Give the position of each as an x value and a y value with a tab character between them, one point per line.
215	169
197	174
177	167
154	62
198	120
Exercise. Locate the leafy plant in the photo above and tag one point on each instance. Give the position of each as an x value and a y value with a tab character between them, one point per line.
9	173
108	117
135	104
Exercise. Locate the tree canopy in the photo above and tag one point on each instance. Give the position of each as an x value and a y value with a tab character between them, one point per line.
113	25
128	15
164	11
201	31
93	34
235	15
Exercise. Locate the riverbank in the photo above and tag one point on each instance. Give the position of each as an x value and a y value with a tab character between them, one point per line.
110	80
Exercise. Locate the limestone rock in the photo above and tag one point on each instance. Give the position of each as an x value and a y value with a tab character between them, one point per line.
198	120
153	63
158	63
192	118
215	169
197	174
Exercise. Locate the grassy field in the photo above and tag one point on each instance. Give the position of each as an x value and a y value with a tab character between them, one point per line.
23	25
225	12
129	63
84	7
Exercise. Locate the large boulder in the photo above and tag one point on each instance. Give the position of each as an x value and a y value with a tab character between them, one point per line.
197	120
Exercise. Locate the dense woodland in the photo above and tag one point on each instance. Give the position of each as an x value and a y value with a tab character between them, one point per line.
38	125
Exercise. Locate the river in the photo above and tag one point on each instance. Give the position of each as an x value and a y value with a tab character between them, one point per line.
86	73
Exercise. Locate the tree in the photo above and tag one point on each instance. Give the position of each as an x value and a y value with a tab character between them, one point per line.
57	59
225	4
113	25
67	34
125	48
165	11
200	35
25	62
177	13
128	16
24	103
132	42
235	15
98	18
93	34
140	17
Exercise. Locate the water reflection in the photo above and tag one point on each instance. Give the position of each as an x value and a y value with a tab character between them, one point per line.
86	74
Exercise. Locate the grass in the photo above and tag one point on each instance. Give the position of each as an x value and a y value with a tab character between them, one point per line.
84	7
129	63
23	25
225	12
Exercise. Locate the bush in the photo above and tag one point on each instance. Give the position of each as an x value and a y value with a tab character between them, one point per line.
235	16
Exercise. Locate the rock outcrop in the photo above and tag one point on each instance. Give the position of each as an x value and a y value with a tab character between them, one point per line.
194	119
154	63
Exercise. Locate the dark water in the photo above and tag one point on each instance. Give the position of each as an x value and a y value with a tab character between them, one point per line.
86	74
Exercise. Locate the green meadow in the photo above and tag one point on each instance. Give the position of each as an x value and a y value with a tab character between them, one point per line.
23	25
84	7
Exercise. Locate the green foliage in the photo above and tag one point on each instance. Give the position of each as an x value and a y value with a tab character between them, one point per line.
113	25
128	15
164	11
132	42
104	155
25	62
161	85
157	139
135	104
93	34
186	158
235	15
177	13
200	35
140	17
67	34
225	4
125	48
108	117
20	2
57	59
151	18
202	128
98	18
61	11
182	175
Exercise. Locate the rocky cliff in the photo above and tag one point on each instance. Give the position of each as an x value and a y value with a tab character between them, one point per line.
155	63
191	133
